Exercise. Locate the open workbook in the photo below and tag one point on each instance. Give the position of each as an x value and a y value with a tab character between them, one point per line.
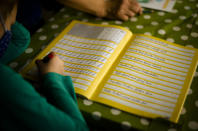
135	73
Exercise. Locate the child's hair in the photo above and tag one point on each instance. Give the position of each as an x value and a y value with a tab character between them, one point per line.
6	6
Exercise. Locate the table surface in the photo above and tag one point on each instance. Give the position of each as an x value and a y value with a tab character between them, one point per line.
180	26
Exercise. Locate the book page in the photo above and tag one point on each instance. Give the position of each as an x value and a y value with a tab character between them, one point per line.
151	79
85	49
164	5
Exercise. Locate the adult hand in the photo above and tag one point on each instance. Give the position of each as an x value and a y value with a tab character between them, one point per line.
122	9
116	9
55	64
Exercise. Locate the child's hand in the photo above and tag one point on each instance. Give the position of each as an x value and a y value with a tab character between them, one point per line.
122	9
55	64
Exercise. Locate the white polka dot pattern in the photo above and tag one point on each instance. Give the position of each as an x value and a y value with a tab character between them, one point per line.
87	102
193	125
144	121
96	115
29	50
115	111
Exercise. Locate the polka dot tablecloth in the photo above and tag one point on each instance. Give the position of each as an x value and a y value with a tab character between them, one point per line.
180	26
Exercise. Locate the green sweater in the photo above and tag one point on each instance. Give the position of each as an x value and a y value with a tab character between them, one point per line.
23	108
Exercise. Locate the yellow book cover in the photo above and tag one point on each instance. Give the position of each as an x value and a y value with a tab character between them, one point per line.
136	73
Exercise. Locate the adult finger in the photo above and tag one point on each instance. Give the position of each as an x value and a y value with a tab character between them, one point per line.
122	15
134	6
130	13
140	11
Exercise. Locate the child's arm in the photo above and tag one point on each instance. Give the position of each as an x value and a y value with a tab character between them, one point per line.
22	104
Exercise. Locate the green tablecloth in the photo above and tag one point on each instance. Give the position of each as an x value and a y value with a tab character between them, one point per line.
180	27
